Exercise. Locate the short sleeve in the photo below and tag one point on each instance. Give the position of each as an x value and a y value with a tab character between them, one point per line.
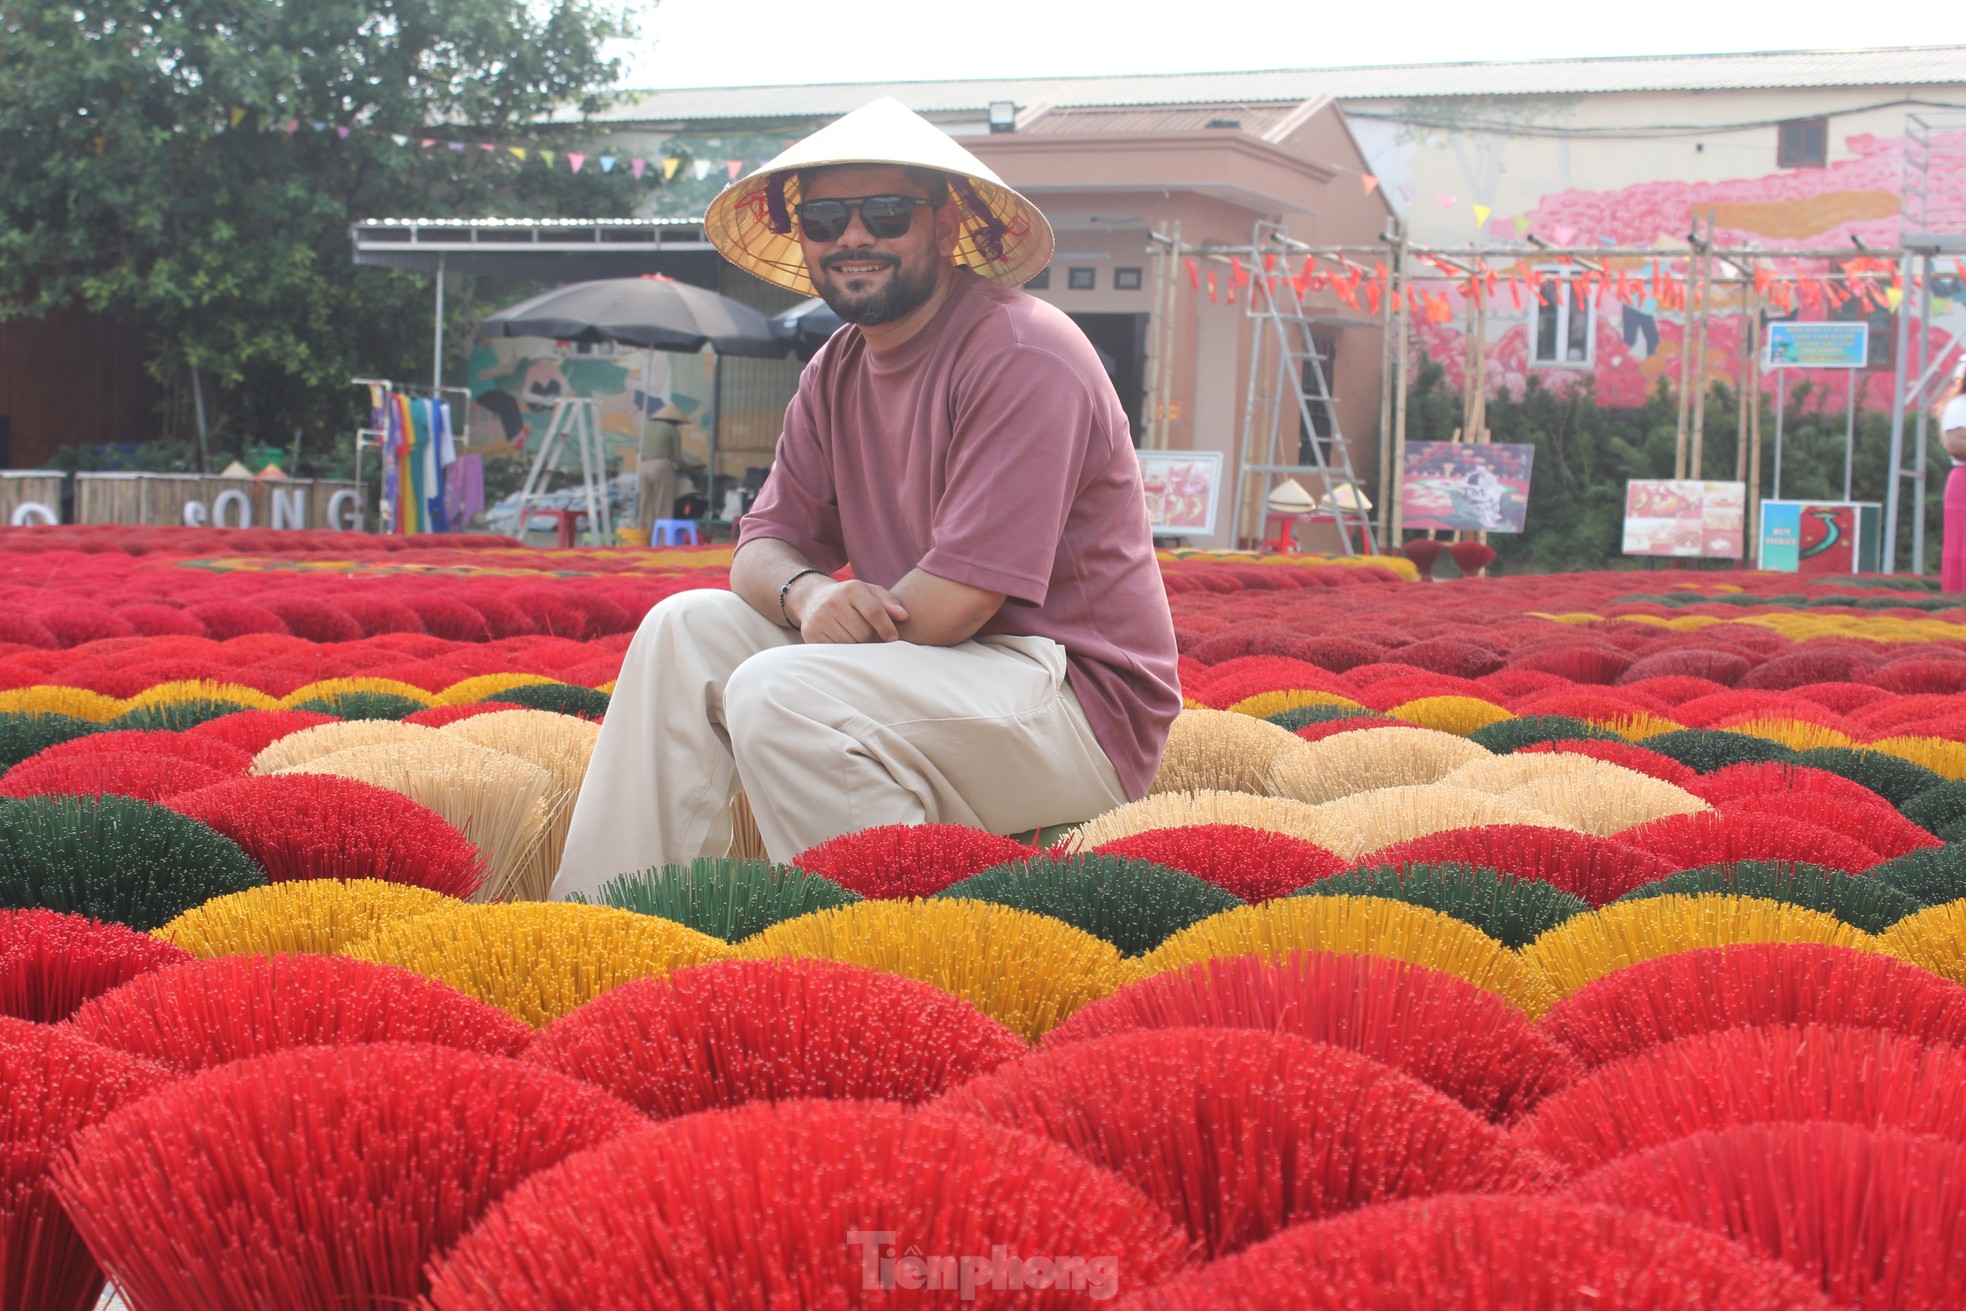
1022	427
798	504
1954	415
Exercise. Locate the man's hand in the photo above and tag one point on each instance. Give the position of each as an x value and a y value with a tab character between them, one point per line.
852	611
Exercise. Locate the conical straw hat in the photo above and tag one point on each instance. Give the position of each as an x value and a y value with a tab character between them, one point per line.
1291	498
1004	237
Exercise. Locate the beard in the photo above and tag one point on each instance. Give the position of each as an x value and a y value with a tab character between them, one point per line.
905	292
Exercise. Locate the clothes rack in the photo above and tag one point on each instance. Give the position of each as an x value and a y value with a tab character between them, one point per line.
413	428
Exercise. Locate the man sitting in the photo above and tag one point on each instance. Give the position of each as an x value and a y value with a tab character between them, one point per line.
1002	656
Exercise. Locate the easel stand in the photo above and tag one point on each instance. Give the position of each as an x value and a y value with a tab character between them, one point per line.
575	420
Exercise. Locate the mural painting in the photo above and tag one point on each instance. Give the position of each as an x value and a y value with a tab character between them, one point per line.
515	381
1626	329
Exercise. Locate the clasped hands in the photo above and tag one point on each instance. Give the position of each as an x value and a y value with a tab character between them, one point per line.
826	610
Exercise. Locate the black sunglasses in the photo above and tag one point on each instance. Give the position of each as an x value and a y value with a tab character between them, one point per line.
885	217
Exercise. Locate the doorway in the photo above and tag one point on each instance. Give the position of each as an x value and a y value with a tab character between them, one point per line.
1121	340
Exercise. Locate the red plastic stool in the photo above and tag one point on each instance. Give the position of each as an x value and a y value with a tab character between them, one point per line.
569	526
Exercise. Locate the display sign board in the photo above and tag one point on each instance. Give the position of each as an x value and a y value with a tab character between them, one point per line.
1821	537
1818	346
1184	490
1460	487
1698	520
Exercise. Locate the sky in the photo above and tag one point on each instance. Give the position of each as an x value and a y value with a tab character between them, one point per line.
699	43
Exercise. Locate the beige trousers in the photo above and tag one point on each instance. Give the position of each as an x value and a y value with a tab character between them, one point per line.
655	492
823	739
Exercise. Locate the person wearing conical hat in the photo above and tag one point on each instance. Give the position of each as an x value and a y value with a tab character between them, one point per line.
655	472
1002	654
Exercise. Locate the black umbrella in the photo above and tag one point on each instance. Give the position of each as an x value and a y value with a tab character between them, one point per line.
806	326
652	311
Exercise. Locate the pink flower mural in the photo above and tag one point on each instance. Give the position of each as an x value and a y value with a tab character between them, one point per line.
1797	209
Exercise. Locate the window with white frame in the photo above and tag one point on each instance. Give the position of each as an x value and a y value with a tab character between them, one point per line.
1563	320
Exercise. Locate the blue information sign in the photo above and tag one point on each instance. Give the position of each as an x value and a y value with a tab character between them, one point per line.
1818	345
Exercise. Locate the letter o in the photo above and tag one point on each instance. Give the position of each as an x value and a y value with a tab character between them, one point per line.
33	512
232	496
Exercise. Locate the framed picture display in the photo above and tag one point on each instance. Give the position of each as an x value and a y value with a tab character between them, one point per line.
1184	491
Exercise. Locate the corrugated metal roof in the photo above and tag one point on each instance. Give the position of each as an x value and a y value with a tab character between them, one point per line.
1901	66
1253	119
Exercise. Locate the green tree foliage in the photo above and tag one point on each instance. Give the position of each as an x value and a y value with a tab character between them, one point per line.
1585	453
150	173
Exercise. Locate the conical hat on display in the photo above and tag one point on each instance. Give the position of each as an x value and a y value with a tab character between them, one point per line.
1291	498
1004	238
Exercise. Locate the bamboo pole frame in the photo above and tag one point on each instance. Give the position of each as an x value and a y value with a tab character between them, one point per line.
1450	264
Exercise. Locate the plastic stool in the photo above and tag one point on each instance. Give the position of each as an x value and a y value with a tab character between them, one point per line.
568	526
670	532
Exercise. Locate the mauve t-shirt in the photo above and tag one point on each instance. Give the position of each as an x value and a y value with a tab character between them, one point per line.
991	450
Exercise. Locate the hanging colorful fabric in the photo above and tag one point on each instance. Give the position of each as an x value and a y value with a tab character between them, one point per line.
406	516
415	508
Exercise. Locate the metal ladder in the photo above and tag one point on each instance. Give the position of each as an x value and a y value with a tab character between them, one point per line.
1292	402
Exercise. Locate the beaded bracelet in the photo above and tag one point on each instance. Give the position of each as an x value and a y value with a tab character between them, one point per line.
783	591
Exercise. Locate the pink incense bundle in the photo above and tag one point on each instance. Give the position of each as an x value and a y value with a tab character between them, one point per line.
1490	1254
1246	676
1876	1217
1776	778
1714	838
1875	823
1442	1030
1710	988
1599	870
318	826
252	731
207	1012
1253	864
731	1032
812	1204
1239	1133
908	860
317	1179
56	1083
1768	1073
51	962
145	775
203	750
